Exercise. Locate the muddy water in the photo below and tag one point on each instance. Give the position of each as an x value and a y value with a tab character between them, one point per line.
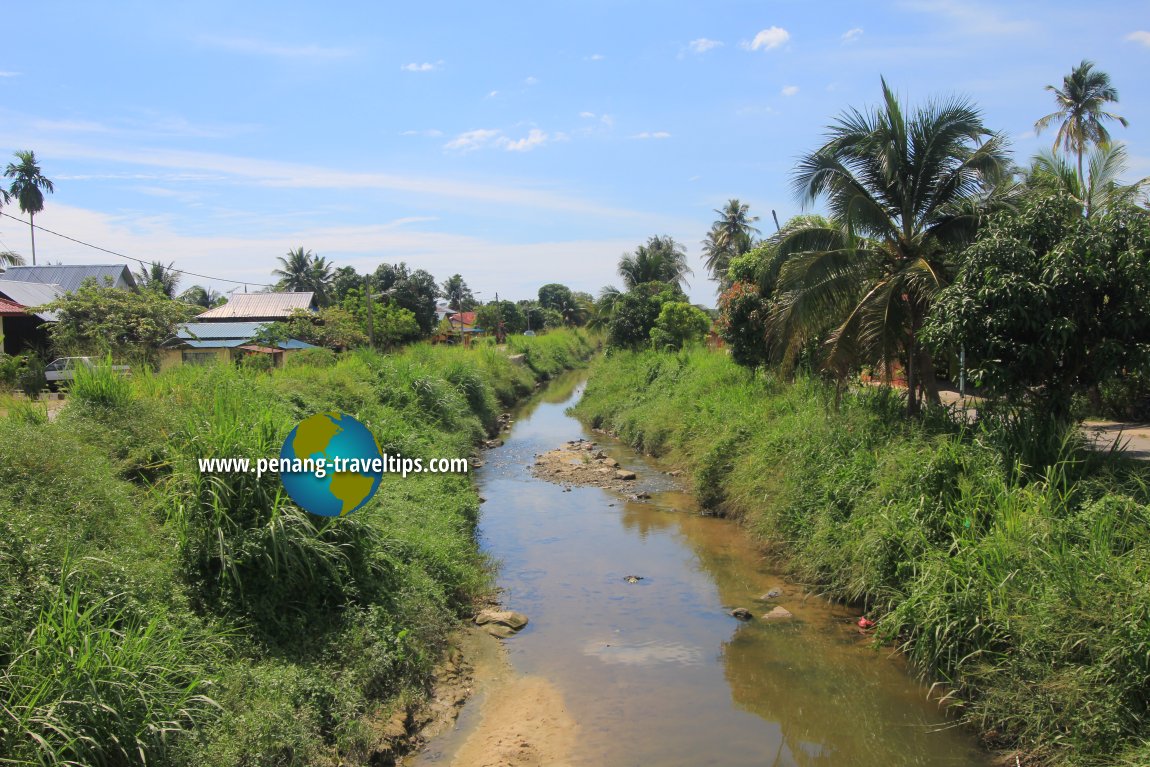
656	672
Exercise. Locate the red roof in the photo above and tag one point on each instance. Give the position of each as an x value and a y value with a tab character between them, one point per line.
11	308
468	318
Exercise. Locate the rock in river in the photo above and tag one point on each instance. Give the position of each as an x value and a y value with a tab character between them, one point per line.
778	614
741	613
501	623
622	474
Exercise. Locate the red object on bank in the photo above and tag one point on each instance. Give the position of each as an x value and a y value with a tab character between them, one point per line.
865	624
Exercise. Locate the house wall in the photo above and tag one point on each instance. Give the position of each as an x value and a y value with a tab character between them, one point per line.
170	358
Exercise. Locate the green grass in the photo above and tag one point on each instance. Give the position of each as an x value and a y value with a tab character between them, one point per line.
1007	562
149	614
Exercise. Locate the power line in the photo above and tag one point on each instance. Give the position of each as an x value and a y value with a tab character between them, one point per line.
133	258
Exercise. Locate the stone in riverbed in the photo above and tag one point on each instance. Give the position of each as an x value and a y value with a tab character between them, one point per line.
623	474
501	623
741	613
778	614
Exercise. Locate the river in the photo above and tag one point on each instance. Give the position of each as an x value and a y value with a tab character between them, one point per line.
656	672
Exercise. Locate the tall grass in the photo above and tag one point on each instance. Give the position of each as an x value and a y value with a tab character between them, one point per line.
1004	559
133	588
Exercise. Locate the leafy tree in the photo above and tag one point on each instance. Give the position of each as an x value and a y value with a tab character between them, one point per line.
1049	302
333	327
344	279
159	278
532	313
554	295
730	236
457	294
392	325
634	313
678	324
742	323
661	259
490	315
904	192
415	291
28	187
99	319
1081	101
198	295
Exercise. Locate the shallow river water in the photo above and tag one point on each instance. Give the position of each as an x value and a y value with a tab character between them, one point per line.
657	672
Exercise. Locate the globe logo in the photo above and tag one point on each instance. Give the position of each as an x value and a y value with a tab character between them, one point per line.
330	464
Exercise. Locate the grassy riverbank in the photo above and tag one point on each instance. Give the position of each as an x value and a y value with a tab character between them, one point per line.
1026	591
152	614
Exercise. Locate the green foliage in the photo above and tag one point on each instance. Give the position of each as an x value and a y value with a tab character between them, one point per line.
132	585
96	320
1050	301
490	315
100	385
555	296
678	324
634	313
333	327
412	290
1022	589
742	321
30	376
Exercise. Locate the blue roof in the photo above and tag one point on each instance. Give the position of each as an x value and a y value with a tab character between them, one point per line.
70	276
218	343
209	330
295	343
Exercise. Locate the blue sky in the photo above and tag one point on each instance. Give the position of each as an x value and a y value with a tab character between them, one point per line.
516	144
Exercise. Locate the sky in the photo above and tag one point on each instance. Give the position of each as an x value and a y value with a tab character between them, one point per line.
514	143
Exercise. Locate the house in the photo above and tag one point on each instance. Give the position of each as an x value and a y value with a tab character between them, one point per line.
206	343
259	307
21	330
69	277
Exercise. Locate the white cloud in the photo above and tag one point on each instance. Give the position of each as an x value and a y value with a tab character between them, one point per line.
426	66
473	139
9	74
254	46
492	94
790	90
531	81
767	39
659	134
852	34
702	45
429	132
587	115
596	57
533	139
972	18
1141	36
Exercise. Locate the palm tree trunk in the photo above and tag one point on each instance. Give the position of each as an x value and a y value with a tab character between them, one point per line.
32	229
929	380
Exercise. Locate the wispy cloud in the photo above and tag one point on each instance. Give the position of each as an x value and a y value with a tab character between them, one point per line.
768	39
531	81
9	74
1141	36
490	138
426	66
429	132
257	47
703	44
659	134
852	34
790	90
596	57
974	18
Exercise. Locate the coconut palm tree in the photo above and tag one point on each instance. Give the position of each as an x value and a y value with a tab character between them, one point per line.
730	236
903	193
1081	99
28	187
661	259
1103	188
295	271
160	278
8	258
198	295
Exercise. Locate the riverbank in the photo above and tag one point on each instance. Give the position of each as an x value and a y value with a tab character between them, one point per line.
148	611
1025	594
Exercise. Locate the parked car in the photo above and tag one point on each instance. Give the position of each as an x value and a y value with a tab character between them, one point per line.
63	369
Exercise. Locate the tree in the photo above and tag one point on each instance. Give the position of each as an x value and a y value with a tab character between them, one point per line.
415	291
491	315
1048	302
333	327
661	259
730	236
554	295
8	258
28	187
905	193
344	279
1102	188
100	319
678	324
198	295
159	278
457	294
635	312
295	271
1081	99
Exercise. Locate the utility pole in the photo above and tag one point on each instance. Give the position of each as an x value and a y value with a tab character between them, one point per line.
370	320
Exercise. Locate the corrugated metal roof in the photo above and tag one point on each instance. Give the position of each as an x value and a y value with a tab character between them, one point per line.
214	330
294	343
31	294
215	343
259	306
70	276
